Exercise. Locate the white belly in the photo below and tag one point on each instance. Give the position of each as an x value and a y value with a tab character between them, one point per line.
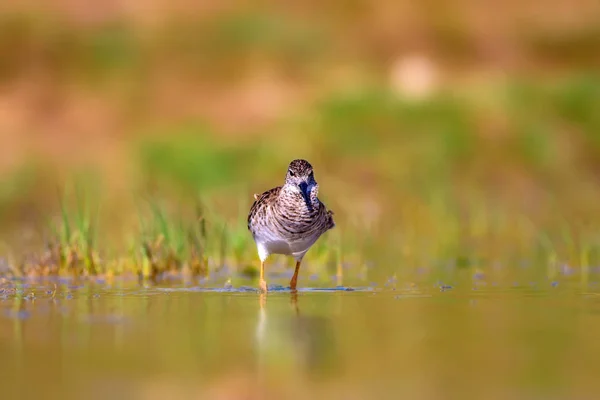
297	249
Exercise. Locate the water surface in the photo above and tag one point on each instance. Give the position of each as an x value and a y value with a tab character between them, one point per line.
129	341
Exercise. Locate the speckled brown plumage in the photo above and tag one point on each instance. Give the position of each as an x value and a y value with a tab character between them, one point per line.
289	219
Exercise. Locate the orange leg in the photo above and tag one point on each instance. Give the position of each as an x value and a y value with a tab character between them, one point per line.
262	283
295	277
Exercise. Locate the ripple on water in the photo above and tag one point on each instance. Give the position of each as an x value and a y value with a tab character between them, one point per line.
252	289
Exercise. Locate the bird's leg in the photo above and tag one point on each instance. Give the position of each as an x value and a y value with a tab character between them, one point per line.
295	277
262	283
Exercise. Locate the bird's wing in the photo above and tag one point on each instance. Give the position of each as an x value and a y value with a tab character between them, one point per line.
260	201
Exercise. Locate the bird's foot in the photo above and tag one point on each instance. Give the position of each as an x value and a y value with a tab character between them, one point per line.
293	283
263	286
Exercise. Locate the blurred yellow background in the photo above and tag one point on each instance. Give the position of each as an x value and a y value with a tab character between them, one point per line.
425	121
457	142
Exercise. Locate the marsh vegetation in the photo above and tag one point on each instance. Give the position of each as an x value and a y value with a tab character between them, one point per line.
459	147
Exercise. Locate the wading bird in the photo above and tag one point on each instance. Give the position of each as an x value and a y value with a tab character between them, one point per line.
289	219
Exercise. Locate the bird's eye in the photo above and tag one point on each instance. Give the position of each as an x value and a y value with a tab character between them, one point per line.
291	173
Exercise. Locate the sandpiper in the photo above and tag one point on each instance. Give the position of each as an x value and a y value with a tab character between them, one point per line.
289	219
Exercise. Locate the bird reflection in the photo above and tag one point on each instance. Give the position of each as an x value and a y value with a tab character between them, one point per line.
287	338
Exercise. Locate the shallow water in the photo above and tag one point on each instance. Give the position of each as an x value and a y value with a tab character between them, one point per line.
127	341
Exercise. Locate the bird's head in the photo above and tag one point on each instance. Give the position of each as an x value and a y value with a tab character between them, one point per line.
300	178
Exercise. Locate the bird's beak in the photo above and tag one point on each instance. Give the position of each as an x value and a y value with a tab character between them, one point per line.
304	189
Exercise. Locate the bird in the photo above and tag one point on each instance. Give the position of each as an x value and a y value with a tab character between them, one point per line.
289	219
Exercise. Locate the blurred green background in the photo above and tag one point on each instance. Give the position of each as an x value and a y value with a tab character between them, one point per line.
462	132
457	142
